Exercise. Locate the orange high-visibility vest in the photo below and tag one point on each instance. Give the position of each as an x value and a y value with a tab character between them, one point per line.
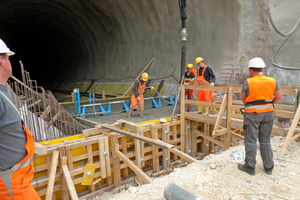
201	76
261	88
15	184
140	88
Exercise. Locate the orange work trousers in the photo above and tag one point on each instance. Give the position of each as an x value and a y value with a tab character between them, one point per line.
204	95
135	102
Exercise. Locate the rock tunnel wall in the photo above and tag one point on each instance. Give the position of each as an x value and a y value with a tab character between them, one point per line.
112	41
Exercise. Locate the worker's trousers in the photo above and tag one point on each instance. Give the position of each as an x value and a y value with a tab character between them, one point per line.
258	126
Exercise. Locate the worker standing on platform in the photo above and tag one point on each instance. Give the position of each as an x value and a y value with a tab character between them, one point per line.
205	73
137	96
16	142
189	78
259	94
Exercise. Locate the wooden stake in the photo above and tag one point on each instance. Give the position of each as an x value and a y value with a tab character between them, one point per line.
102	158
116	161
290	134
155	154
89	151
134	168
52	172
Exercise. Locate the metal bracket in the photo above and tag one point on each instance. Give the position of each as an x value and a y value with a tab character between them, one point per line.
104	153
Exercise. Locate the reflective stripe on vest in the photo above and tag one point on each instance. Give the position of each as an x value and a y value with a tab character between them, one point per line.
7	175
260	88
202	76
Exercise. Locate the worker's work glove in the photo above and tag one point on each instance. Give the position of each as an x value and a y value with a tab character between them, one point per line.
211	84
192	80
139	98
152	87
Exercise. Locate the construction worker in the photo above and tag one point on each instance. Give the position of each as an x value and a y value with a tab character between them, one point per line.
189	76
137	96
207	76
16	142
259	94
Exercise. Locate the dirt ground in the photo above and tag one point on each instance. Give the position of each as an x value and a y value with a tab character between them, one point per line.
217	177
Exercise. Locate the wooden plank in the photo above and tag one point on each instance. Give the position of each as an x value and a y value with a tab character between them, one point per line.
221	132
139	76
209	138
182	155
89	151
228	119
63	185
124	150
142	145
102	158
139	137
233	134
116	161
166	152
155	163
40	150
134	168
53	119
70	183
202	103
51	175
290	134
70	160
35	103
46	112
219	117
107	160
215	88
137	147
174	133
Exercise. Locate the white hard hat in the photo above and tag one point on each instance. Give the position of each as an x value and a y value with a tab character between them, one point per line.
256	63
4	49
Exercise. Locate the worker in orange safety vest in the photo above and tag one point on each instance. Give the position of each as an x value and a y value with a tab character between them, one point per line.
137	96
206	74
259	94
189	78
16	142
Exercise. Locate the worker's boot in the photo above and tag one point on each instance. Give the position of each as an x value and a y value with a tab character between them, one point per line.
200	108
247	169
206	111
141	113
129	113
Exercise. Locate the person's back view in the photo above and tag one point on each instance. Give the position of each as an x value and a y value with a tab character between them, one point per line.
257	95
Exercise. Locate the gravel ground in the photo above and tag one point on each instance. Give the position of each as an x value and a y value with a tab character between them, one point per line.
217	177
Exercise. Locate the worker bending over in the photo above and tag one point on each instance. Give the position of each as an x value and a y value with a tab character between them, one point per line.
137	96
259	94
16	142
204	73
189	78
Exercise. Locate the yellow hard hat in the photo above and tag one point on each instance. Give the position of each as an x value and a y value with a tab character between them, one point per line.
145	76
189	65
199	59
